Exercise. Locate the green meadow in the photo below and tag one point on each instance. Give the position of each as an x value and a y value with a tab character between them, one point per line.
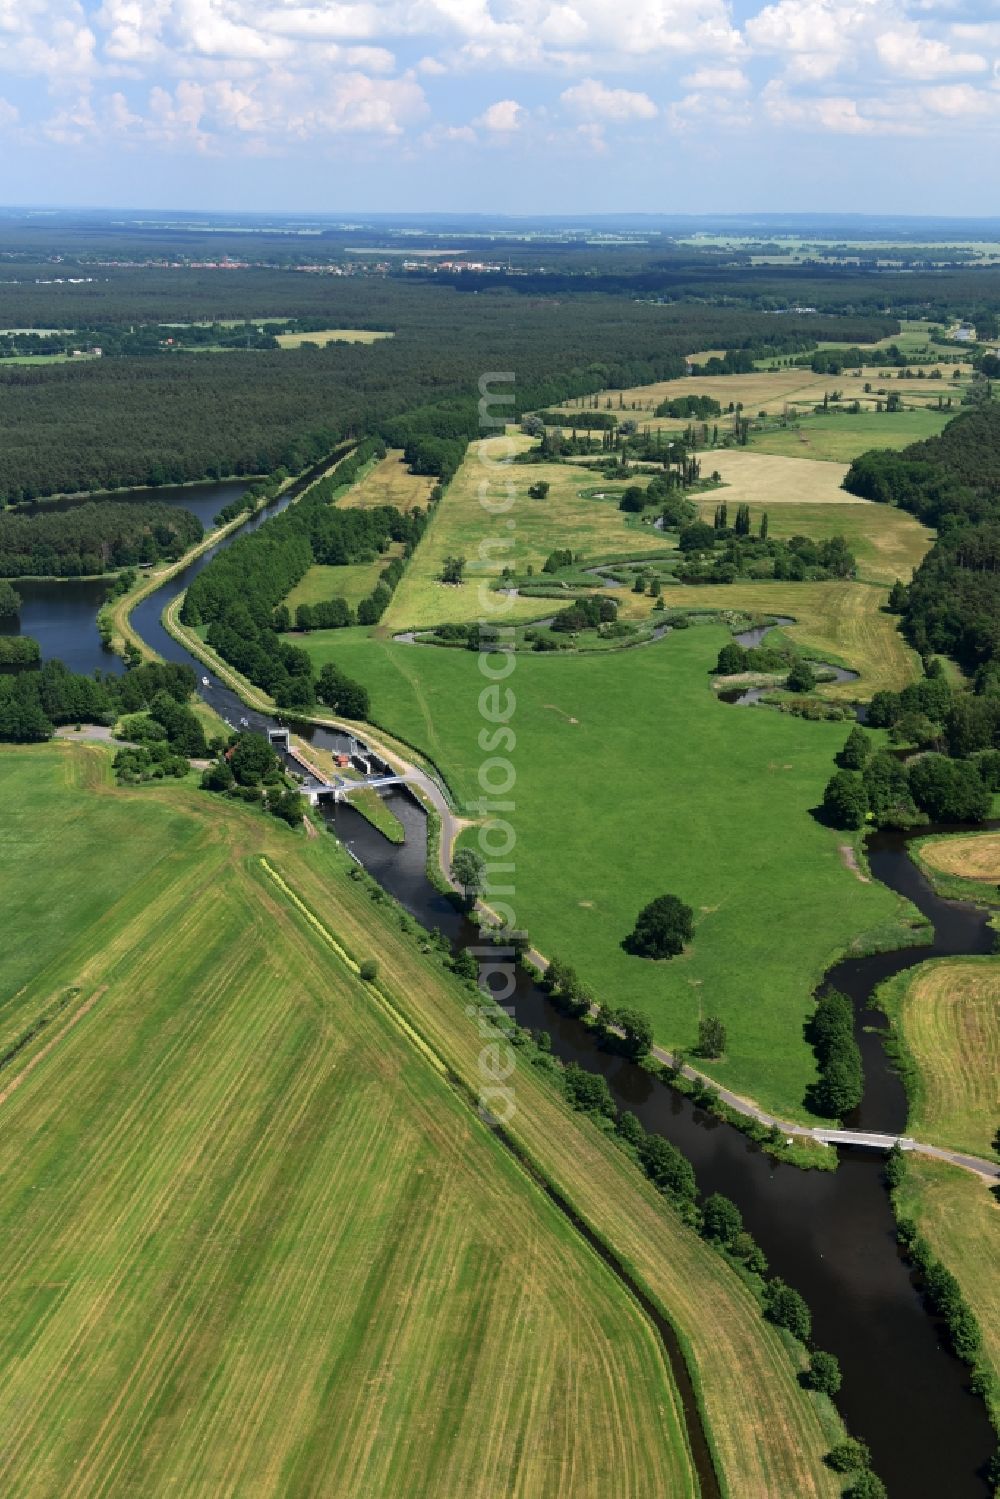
632	780
838	437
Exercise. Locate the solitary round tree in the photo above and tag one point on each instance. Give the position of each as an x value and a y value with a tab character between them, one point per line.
661	929
801	677
732	659
711	1037
468	868
857	750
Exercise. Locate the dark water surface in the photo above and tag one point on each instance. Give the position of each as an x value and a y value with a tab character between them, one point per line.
62	616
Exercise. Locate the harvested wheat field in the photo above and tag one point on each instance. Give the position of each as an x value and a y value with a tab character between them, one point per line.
388	483
972	857
763	479
331	335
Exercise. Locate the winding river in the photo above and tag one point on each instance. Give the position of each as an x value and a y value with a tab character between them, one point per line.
830	1234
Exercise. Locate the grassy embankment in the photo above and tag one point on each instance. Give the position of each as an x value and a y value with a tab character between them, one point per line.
960	1219
946	1022
323	1270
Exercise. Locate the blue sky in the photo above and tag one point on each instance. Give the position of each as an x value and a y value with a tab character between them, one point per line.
503	105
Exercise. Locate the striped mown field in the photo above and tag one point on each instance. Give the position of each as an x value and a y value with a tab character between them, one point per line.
257	1245
253	1244
948	1014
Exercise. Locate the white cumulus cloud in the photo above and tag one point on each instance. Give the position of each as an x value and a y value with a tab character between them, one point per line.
958	101
727	80
596	102
505	115
911	55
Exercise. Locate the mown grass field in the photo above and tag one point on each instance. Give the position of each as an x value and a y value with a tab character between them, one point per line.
960	1219
845	622
887	542
254	1243
974	856
839	438
632	781
948	1016
388	482
353	582
331	335
797	389
488	517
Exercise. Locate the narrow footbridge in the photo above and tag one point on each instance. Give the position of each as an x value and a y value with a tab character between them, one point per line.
375	783
857	1138
866	1139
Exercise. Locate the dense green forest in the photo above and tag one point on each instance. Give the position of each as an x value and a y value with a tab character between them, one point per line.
96	537
157	339
116	422
32	703
951	481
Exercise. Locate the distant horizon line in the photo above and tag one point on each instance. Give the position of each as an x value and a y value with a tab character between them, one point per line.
647	217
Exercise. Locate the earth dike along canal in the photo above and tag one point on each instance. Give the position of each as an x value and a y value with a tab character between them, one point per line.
829	1234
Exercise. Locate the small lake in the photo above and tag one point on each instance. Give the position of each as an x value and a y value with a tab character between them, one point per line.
62	616
204	500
